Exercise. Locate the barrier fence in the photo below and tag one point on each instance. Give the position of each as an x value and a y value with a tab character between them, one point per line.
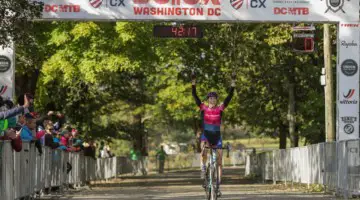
336	165
23	174
27	173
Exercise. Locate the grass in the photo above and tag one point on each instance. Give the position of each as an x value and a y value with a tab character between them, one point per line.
259	143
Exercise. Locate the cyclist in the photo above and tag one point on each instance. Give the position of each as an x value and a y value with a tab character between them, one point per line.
211	122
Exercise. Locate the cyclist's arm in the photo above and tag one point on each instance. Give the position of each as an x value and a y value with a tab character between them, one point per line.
230	95
197	100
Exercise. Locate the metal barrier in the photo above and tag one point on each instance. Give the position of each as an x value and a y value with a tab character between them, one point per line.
25	173
336	165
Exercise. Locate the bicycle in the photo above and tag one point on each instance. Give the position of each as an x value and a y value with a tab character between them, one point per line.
211	176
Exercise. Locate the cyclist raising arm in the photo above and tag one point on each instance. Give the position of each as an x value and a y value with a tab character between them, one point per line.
211	121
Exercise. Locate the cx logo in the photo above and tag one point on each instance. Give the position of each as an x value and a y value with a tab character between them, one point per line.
257	3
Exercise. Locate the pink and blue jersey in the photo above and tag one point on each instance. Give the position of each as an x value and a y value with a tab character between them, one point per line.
211	118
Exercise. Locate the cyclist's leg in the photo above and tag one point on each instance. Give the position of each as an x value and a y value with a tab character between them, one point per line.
203	150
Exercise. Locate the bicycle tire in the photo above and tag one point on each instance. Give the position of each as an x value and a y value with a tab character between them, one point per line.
213	184
207	189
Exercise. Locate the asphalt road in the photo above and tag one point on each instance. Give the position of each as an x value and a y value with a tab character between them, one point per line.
185	185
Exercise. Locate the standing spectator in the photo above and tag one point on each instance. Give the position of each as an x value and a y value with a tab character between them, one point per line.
14	136
28	128
228	149
64	140
161	155
16	111
134	156
48	137
76	142
90	150
103	150
107	148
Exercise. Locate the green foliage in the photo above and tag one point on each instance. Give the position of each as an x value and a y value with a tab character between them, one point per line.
14	20
115	80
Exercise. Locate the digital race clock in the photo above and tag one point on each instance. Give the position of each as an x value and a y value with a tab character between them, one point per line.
163	31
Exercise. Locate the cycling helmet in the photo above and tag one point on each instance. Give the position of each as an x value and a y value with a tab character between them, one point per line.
212	94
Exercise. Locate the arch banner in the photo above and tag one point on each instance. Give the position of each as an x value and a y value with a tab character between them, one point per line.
204	10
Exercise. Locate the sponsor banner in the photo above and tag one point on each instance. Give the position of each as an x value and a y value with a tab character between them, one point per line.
6	72
203	10
348	81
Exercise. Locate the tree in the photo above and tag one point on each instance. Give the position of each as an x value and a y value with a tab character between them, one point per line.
15	17
116	80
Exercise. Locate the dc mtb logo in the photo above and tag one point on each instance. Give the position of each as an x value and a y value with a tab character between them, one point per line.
236	4
335	5
3	89
95	3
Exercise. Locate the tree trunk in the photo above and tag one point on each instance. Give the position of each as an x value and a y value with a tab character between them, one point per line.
282	136
197	132
294	137
138	137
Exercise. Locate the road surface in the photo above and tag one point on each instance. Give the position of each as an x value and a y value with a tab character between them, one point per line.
185	185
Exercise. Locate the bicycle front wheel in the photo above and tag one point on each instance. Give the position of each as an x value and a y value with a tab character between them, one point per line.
214	176
207	183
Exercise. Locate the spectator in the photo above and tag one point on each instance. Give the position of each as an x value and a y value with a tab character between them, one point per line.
134	156
48	137
103	150
90	150
14	136
76	142
64	139
28	128
107	148
161	155
15	111
228	149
